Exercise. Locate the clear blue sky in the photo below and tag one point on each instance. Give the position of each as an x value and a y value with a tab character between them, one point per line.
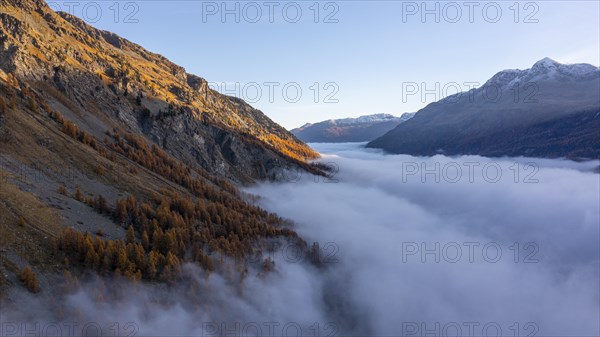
367	50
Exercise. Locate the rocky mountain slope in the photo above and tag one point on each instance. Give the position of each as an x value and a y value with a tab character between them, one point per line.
116	160
111	82
507	116
361	129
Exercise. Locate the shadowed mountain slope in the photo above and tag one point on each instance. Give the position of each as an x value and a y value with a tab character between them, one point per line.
507	115
361	129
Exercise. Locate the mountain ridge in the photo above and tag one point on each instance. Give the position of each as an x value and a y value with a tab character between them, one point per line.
118	68
359	129
510	100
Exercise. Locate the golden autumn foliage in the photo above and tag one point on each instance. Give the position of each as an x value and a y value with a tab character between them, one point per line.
72	130
29	280
289	148
78	194
204	218
169	228
173	230
116	257
12	80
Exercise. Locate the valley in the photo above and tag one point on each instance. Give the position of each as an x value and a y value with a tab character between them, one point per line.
138	199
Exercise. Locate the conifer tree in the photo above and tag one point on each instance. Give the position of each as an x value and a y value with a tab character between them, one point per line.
78	195
130	234
3	107
171	269
101	204
122	260
11	101
152	265
29	280
145	241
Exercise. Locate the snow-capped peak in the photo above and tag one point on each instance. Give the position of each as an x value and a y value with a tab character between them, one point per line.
365	119
543	69
546	62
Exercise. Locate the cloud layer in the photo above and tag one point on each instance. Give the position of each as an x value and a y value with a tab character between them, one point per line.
542	214
411	246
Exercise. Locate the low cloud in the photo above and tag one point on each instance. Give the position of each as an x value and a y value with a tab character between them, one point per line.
541	216
407	250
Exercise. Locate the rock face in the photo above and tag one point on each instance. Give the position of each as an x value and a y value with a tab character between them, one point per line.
549	110
102	81
361	129
99	136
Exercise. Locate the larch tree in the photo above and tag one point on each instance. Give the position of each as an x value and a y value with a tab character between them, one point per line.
29	280
130	234
3	107
78	195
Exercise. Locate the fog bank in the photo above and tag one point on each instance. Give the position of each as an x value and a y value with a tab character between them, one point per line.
410	246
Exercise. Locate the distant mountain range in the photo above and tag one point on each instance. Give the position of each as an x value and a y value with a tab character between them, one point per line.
361	129
550	110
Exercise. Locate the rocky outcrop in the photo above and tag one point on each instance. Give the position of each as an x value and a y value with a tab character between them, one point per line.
102	81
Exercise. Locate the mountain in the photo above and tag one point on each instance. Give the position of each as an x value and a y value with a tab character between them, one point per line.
549	110
114	159
361	129
109	81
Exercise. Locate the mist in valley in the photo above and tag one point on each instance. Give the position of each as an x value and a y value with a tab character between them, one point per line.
410	246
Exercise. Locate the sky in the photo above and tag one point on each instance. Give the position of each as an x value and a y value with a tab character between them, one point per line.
308	61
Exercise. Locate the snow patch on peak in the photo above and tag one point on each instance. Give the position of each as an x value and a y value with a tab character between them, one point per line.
305	125
546	62
377	118
543	69
550	68
579	69
406	116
